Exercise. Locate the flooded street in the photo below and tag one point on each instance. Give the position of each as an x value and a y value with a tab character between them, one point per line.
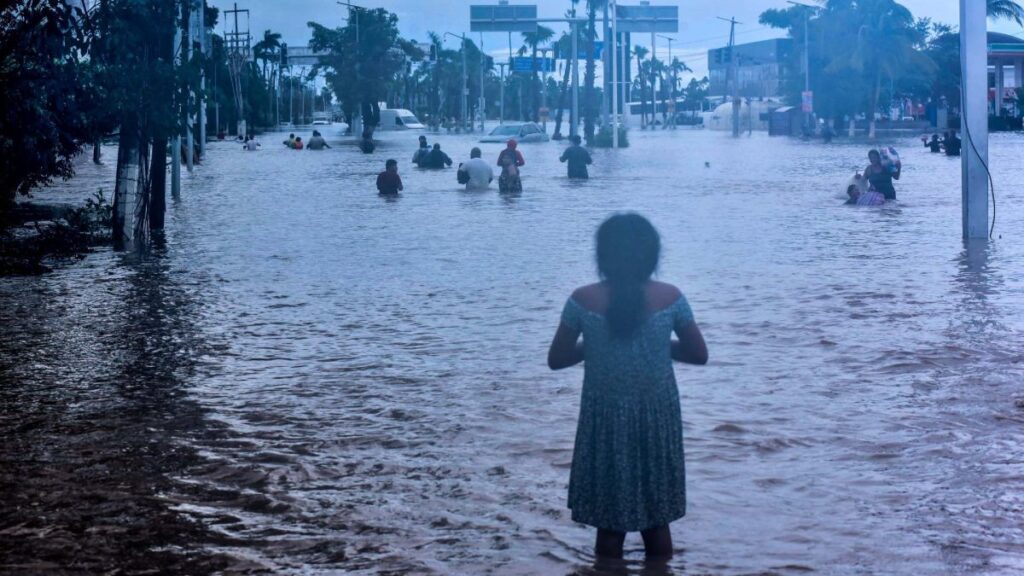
310	379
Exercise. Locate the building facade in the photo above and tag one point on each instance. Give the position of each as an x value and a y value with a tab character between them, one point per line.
761	68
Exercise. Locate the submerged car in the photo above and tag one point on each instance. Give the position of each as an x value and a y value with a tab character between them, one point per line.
521	131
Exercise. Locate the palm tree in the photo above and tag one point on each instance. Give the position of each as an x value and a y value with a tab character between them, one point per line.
564	46
1005	9
641	77
268	50
533	40
883	46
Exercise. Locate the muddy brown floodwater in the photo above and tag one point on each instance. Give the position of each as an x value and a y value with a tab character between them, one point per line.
309	379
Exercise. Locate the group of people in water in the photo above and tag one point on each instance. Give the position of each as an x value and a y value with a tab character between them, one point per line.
476	173
950	143
875	185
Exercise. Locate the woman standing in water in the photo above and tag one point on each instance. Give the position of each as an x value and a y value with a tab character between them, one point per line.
510	160
880	176
627	467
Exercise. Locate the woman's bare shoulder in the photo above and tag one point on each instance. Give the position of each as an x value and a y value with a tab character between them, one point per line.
592	296
662	294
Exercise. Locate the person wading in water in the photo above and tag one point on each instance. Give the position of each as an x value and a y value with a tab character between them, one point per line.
510	160
578	158
880	176
627	465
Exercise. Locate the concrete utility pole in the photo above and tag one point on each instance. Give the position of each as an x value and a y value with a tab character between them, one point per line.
734	75
189	117
575	115
176	140
203	48
974	118
807	52
483	99
615	75
501	78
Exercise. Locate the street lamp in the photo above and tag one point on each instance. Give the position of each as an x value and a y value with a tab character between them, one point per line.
807	60
465	89
675	80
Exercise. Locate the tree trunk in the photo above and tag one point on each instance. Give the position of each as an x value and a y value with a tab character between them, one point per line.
158	183
97	152
126	185
563	93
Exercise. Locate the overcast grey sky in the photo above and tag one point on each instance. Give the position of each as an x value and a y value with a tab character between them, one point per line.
699	28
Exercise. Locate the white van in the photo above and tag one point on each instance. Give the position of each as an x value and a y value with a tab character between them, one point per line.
399	119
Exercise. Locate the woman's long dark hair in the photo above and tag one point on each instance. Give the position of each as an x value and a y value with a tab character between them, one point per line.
628	248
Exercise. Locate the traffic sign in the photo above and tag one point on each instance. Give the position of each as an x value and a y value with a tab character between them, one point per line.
598	50
525	64
664	19
503	18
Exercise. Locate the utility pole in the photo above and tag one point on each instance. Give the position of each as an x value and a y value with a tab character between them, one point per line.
204	49
974	119
238	54
189	117
670	111
615	74
483	99
575	116
733	75
176	140
807	58
501	77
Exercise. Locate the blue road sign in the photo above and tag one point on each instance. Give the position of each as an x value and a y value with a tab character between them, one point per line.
525	64
598	50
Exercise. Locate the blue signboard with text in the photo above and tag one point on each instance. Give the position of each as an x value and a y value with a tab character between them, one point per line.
525	64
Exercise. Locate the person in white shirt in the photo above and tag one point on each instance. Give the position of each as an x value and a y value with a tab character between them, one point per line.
477	173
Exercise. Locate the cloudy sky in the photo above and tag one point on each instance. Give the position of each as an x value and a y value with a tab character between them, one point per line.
699	27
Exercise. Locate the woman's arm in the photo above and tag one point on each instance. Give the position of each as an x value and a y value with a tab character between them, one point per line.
690	348
566	348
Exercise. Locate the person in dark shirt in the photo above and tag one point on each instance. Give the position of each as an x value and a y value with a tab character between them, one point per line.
578	158
421	152
934	144
436	159
389	183
951	144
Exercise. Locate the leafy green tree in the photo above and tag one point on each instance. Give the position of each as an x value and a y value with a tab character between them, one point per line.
365	59
855	45
533	40
44	102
